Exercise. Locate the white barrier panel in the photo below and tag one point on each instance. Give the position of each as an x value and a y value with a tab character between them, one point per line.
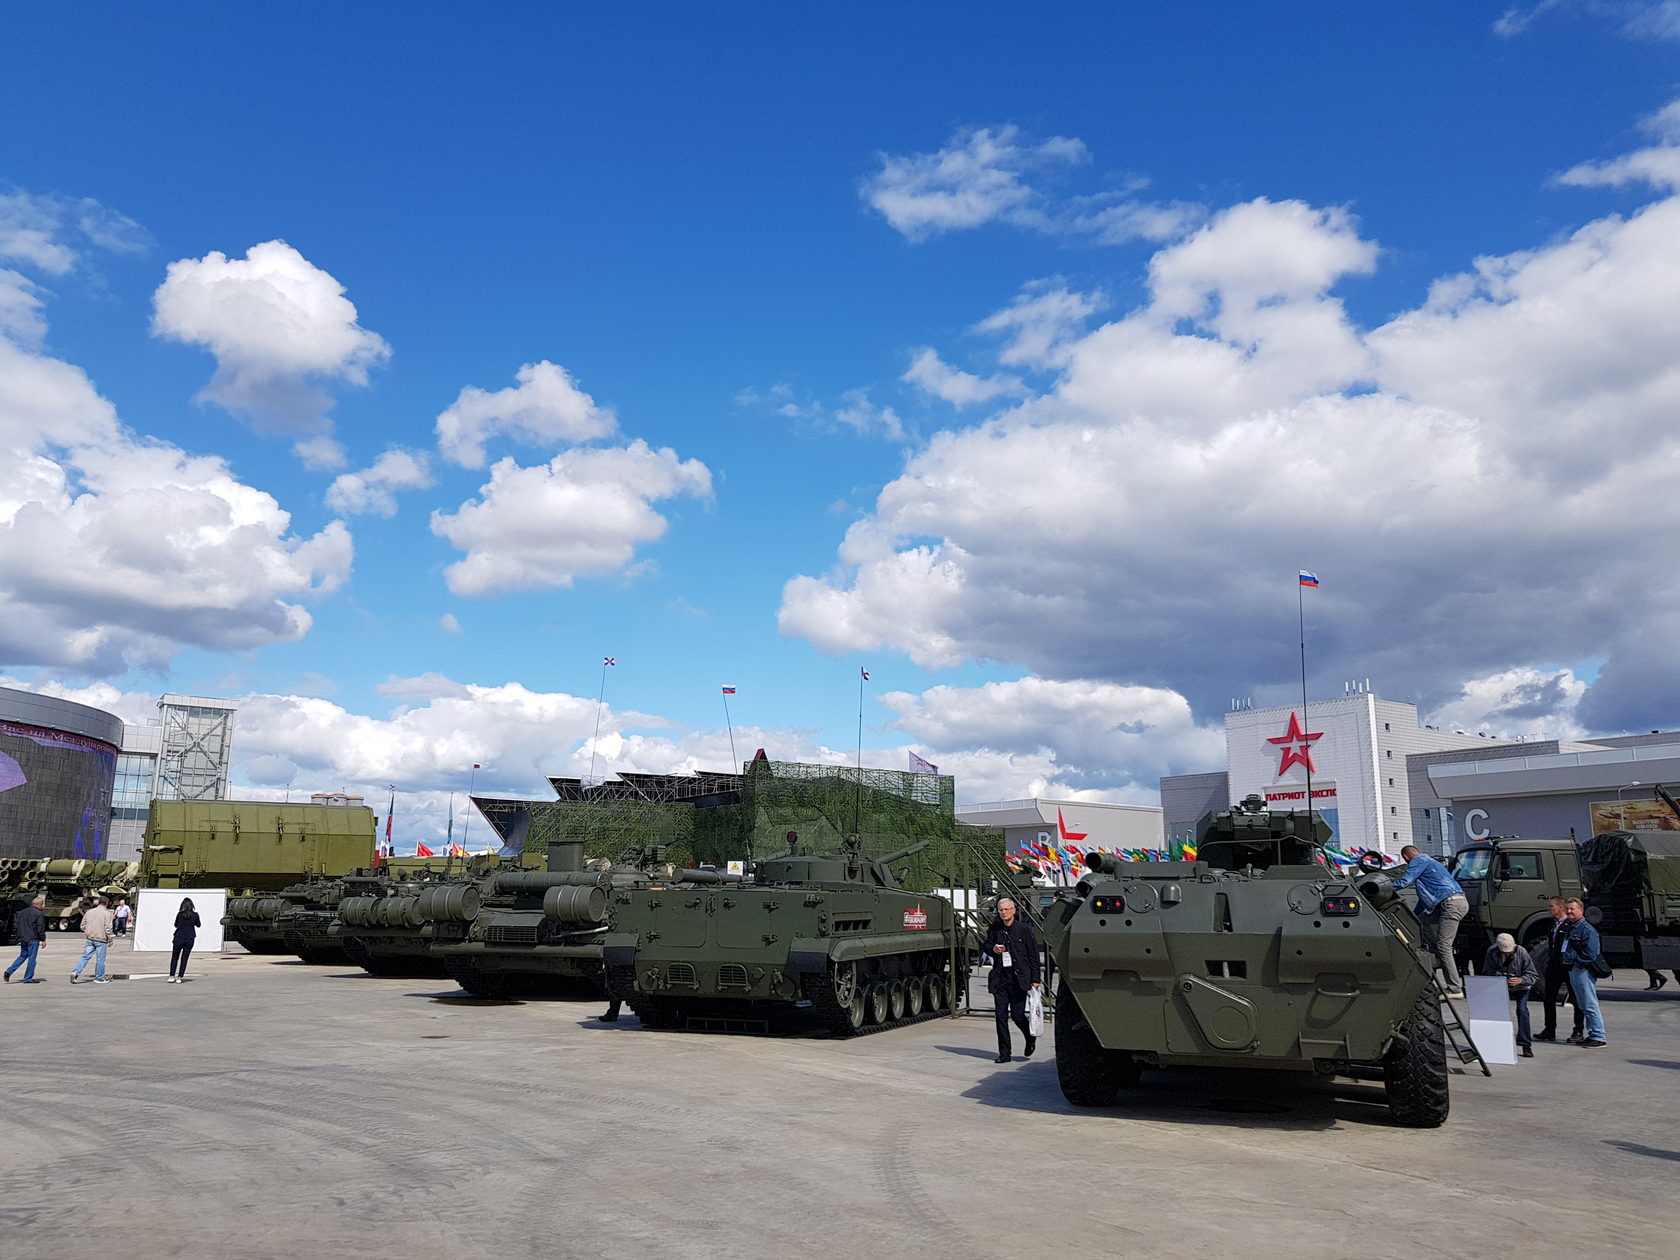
1489	998
154	918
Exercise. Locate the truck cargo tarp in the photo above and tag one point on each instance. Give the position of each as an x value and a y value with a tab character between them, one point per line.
1618	867
1662	859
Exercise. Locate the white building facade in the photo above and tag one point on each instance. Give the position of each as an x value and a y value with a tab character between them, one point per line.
1354	750
1084	823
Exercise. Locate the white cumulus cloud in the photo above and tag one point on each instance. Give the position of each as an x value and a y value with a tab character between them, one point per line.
117	549
1477	481
582	514
545	408
278	326
373	489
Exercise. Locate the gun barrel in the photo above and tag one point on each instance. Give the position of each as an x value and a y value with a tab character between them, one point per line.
708	877
898	855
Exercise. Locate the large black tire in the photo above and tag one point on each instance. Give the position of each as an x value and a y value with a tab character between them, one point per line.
1090	1076
1415	1068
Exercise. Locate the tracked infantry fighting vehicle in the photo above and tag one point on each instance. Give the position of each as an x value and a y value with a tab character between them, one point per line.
837	932
538	931
1257	954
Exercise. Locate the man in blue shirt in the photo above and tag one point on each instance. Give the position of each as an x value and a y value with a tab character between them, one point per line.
1441	908
1581	947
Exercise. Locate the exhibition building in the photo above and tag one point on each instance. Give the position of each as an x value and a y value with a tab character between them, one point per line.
77	782
1383	780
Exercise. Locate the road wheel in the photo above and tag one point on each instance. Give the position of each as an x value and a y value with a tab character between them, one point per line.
1415	1068
1090	1076
879	1001
915	993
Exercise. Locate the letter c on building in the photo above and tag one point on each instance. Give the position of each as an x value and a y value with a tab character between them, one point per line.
1473	825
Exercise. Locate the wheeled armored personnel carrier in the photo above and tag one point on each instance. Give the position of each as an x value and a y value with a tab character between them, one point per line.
712	951
539	931
1256	954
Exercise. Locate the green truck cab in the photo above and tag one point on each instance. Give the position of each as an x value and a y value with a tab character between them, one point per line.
1509	882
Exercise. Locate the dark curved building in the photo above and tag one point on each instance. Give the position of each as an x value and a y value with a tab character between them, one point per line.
57	763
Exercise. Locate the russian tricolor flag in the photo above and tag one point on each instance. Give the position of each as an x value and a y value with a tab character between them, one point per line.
1309	579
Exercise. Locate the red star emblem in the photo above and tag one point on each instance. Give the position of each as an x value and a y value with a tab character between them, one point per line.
1293	756
1061	826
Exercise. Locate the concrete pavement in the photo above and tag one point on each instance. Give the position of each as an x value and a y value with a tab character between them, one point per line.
268	1109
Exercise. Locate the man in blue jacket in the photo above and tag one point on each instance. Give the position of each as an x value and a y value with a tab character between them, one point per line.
1442	906
1580	948
31	925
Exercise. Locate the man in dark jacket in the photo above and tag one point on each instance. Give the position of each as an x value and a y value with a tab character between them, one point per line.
1556	981
1013	951
31	927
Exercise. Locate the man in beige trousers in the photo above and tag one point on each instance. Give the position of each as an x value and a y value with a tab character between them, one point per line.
98	925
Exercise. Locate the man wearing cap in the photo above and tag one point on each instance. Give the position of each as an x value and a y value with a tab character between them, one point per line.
1441	908
1507	958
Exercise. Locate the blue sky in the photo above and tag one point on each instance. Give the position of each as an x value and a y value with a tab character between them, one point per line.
385	366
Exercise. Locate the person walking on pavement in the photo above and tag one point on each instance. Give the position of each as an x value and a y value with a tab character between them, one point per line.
97	926
1507	958
181	947
1013	950
31	925
1581	948
1556	980
1441	908
119	916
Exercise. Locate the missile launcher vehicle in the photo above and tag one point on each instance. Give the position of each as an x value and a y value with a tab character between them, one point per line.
834	935
523	931
1256	954
385	921
293	920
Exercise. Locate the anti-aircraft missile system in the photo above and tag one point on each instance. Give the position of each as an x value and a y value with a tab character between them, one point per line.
385	921
293	920
525	930
836	933
1256	954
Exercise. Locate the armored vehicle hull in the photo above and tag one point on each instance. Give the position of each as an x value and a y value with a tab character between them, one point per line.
834	935
1260	957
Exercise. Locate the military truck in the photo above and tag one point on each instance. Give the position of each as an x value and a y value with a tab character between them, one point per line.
1256	954
70	886
1509	883
834	934
1629	880
252	846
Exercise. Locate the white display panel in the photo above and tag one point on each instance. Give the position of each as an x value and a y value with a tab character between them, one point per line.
154	918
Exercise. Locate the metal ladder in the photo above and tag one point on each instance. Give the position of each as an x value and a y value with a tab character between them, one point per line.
1458	1036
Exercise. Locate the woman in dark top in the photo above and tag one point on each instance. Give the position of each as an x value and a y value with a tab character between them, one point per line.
186	932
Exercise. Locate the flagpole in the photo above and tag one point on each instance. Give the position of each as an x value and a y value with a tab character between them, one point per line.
727	721
466	823
1301	620
600	699
857	797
